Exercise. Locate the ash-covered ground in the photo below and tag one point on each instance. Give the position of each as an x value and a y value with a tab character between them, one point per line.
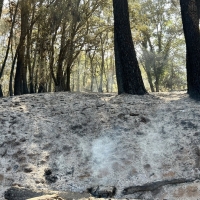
148	147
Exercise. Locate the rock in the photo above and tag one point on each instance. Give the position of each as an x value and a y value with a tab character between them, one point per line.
49	177
102	191
47	197
28	170
47	172
21	193
144	120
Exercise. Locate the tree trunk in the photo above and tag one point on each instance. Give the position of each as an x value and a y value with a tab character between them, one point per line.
84	72
198	7
78	75
28	61
100	89
1	92
9	40
149	77
157	85
1	6
18	79
21	70
129	79
68	78
190	19
113	73
14	58
42	75
92	73
59	76
92	70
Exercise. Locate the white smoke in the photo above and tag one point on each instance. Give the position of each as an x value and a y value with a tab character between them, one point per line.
102	155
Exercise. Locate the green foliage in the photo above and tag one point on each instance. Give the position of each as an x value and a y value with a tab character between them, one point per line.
74	39
160	37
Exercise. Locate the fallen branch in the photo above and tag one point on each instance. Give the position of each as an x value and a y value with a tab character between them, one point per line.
155	185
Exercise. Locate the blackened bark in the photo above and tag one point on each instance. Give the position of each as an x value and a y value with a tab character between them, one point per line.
24	28
68	78
155	185
1	92
11	75
28	61
190	19
60	84
1	6
129	79
20	85
198	7
18	79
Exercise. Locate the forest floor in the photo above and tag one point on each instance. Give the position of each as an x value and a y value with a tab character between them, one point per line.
147	147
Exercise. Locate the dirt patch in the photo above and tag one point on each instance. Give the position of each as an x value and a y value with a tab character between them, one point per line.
89	140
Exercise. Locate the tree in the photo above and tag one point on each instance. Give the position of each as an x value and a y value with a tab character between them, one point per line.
20	86
129	79
13	19
190	19
160	31
198	7
1	6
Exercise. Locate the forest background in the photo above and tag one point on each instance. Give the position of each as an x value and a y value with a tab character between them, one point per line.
68	45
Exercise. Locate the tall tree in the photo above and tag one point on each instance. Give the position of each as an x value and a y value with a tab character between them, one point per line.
190	19
129	79
1	6
20	86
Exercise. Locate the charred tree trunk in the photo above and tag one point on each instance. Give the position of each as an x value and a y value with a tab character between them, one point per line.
18	79
190	19
1	92
62	54
29	52
68	78
198	7
20	86
60	84
129	79
1	6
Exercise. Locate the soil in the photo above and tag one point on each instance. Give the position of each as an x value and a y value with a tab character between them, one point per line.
147	147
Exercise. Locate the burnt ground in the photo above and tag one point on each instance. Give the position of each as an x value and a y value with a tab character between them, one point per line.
147	147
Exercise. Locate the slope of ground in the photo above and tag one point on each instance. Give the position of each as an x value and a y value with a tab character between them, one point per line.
148	147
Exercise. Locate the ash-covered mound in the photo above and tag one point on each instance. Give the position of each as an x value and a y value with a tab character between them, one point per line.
76	141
